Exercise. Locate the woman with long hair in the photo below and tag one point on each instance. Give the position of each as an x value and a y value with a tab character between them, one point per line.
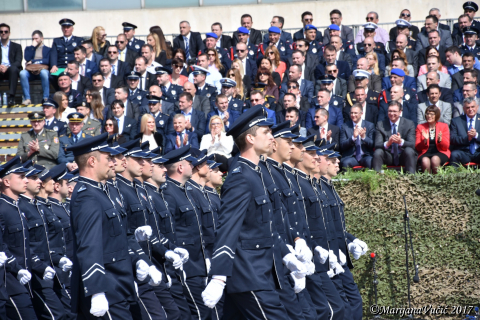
63	110
148	132
96	104
180	54
160	55
177	77
373	63
247	82
265	63
164	44
272	54
240	90
99	40
432	51
111	127
214	62
264	76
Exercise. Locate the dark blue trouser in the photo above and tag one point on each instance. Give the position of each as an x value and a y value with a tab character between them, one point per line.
176	290
328	303
119	310
47	305
20	306
193	294
167	302
460	156
353	295
147	306
290	300
64	294
263	304
339	286
308	307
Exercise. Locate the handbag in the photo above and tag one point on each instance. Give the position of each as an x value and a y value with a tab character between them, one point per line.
36	67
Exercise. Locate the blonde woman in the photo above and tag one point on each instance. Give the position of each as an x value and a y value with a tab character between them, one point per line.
240	90
372	63
148	132
247	82
217	142
63	110
160	55
99	41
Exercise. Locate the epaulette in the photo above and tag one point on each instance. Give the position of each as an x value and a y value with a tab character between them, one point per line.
49	130
82	188
163	186
268	96
237	170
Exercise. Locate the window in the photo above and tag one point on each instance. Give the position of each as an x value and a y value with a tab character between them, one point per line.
113	4
54	5
229	2
11	5
170	4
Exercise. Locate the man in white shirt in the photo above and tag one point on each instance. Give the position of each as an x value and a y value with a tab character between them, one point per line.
327	131
147	52
119	115
73	73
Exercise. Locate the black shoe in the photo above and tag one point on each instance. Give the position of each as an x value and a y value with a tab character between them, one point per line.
11	103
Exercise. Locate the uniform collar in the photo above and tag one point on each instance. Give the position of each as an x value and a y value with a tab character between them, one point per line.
275	163
175	182
124	180
288	168
195	185
151	185
211	190
8	200
90	182
249	163
54	201
42	200
28	199
301	173
328	182
138	183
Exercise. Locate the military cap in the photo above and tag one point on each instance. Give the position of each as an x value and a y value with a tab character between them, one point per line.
159	160
370	26
63	74
274	29
156	151
60	172
398	72
260	86
31	169
227	82
243	30
128	26
283	130
113	143
333	154
13	166
179	154
212	164
90	144
296	131
329	151
334	27
360	74
133	149
163	70
327	78
200	157
153	99
309	143
81	104
212	35
49	102
75	117
36	116
44	172
322	150
401	23
255	116
66	22
134	75
470	5
310	27
199	70
470	30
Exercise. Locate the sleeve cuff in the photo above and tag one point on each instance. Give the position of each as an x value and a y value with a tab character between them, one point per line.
223	278
401	144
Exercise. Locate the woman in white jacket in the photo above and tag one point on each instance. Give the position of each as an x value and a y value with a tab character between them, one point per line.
217	142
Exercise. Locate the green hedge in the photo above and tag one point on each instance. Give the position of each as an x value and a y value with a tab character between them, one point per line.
445	223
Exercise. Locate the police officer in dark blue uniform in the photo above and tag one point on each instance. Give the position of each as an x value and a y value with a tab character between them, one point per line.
135	95
470	44
210	187
133	43
314	47
223	55
244	247
46	241
470	8
163	123
76	124
16	241
102	273
392	44
54	124
268	100
203	88
243	36
170	91
284	48
5	258
228	89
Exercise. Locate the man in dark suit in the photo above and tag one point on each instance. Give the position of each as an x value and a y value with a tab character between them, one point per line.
290	101
190	42
343	54
111	80
249	65
127	127
464	139
91	55
434	78
307	61
409	104
200	103
255	36
324	129
398	77
374	81
368	102
223	41
147	79
306	87
325	101
182	136
337	86
11	65
413	30
395	141
65	85
86	67
433	34
356	140
470	8
346	33
119	68
368	46
194	119
436	12
278	21
124	53
108	95
307	18
402	44
330	57
79	82
131	110
223	111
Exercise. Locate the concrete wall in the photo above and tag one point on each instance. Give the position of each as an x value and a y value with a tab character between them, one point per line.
354	12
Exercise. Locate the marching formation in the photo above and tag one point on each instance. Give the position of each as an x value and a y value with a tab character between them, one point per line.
132	234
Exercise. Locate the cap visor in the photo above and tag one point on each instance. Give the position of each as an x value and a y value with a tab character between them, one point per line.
288	135
159	160
109	150
299	139
312	148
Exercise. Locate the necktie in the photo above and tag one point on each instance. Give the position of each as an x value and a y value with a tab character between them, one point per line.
118	122
164	91
187	47
114	69
395	148
82	70
472	142
323	133
74	139
358	148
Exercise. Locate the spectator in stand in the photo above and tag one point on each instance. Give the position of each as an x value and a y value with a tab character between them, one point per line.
180	54
464	138
36	54
181	137
265	63
108	95
223	41
111	80
373	67
214	64
433	65
406	15
445	93
306	87
160	56
381	35
11	64
470	90
432	141
125	54
189	41
99	41
94	100
346	33
119	68
272	54
432	30
65	85
324	129
264	76
431	51
398	77
255	36
217	142
434	94
111	127
127	127
63	110
240	90
194	119
91	55
374	83
323	101
79	82
464	21
177	77
148	132
307	18
409	108
164	45
407	68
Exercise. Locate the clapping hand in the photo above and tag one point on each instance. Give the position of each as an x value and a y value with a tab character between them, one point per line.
439	136
329	135
471	134
185	139
425	134
362	132
188	125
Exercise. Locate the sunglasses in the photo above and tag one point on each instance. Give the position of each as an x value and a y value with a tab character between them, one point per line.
177	66
292	87
117	42
263	74
369	18
308	19
332	71
89	95
211	54
405	15
112	52
271	52
97	80
368	44
4	31
241	50
231	75
108	124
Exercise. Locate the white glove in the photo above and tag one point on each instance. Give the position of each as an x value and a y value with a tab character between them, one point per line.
143	233
48	274
362	244
355	249
290	248
208	264
341	256
322	254
310	266
332	259
142	270
3	258
173	258
299	283
293	264
213	292
24	276
330	273
337	268
169	283
65	264
302	251
183	253
155	276
99	304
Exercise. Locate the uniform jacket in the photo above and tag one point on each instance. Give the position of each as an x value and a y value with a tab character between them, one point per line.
375	83
129	128
225	41
254	38
49	147
56	125
65	156
300	34
62	51
135	45
346	33
408	82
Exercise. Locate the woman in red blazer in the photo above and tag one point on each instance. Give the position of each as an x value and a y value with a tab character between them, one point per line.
432	141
